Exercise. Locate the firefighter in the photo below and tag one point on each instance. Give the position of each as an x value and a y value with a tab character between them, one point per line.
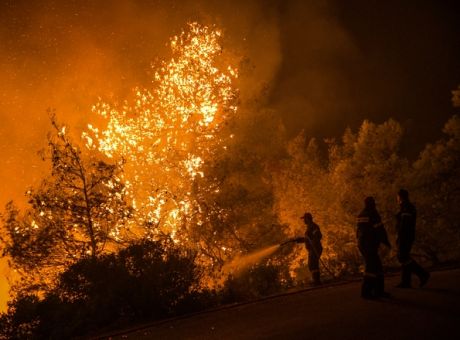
370	233
405	228
312	242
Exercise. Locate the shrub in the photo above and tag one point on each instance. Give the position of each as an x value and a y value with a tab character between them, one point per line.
149	280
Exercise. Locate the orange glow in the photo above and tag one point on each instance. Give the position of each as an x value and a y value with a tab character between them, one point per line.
166	133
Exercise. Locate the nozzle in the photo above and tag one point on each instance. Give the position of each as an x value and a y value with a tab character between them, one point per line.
286	242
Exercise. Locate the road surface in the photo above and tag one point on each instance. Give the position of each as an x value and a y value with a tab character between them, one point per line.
335	312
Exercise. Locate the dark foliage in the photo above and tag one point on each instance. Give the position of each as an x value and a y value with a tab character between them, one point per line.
259	281
146	281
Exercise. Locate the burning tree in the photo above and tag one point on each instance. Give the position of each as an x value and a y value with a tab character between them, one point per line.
333	186
167	133
240	216
79	211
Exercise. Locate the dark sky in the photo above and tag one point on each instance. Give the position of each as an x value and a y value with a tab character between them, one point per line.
374	60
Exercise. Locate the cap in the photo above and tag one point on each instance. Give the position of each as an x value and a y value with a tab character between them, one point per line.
307	215
369	202
404	194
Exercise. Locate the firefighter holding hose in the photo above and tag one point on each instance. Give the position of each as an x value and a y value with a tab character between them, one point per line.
312	242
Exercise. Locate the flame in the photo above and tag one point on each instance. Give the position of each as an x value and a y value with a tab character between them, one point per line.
166	134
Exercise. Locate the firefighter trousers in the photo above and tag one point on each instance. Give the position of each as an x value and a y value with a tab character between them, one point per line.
373	281
409	266
313	264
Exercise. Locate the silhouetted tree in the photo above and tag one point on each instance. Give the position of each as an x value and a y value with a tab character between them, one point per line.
78	211
435	182
21	319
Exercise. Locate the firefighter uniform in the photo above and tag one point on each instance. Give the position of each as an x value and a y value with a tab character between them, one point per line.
370	233
312	242
405	228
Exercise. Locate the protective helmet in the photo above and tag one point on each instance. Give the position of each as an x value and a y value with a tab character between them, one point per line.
403	194
306	216
369	202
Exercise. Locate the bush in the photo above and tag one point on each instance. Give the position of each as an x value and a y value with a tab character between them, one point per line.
259	281
149	280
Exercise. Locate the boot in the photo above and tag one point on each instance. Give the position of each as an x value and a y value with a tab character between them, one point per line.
368	288
422	274
424	279
315	277
380	287
405	277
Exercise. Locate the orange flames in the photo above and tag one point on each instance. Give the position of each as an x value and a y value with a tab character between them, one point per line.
167	133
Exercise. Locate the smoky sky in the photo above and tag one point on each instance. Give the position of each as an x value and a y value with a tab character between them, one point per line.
318	65
346	61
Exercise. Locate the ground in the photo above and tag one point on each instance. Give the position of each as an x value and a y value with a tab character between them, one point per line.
330	312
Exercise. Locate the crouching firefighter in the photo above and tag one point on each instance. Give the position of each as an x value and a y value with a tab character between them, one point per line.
312	242
370	233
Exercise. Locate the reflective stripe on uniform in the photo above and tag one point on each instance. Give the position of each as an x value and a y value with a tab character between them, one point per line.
378	225
363	219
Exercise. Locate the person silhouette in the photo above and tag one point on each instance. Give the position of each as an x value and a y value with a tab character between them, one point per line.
312	240
405	228
370	234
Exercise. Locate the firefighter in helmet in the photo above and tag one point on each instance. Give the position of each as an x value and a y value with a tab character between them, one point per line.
370	234
312	242
405	228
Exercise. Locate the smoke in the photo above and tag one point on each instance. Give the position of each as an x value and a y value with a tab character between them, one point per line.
295	57
344	62
312	90
319	66
67	55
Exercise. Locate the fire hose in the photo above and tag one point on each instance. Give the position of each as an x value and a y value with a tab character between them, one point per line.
295	240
